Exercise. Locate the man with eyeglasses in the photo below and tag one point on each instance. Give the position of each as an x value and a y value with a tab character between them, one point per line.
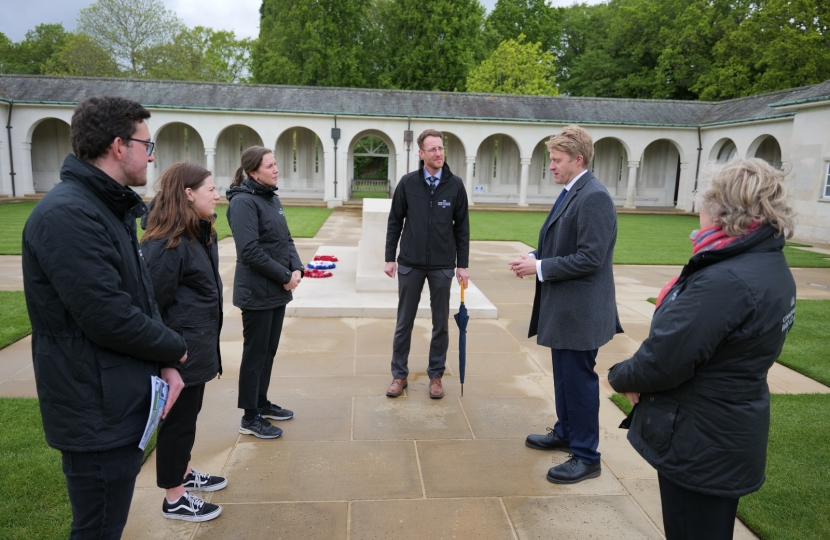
429	217
97	336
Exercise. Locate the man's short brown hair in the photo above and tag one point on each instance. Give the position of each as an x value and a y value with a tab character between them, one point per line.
428	133
574	141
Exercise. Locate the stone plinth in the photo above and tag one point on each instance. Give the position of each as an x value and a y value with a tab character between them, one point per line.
337	296
371	248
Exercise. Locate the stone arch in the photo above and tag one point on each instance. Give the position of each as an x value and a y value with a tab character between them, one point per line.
540	181
766	147
659	174
230	144
300	158
454	153
176	142
723	151
610	165
378	148
497	170
50	144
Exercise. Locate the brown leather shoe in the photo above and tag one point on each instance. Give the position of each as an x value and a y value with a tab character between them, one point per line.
396	388
436	390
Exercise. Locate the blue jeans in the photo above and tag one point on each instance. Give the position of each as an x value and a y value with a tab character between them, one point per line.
100	486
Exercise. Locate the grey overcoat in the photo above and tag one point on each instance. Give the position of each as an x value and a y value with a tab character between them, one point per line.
575	306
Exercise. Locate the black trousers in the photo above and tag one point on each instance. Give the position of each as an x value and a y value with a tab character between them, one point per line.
689	515
410	285
261	336
177	432
100	486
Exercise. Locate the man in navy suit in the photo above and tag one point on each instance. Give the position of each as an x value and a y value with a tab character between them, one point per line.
574	310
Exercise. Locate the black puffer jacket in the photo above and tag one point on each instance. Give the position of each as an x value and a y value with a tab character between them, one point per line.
188	290
703	416
436	229
97	335
265	252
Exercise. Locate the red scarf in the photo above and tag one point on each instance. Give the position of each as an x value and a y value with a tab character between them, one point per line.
710	239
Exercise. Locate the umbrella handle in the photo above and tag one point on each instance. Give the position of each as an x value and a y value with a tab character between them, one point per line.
463	286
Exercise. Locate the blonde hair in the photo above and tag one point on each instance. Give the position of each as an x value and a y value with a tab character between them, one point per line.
747	190
574	141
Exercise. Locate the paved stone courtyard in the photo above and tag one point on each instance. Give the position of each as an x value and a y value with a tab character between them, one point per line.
354	464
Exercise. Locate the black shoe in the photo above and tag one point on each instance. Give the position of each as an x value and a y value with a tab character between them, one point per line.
551	441
190	508
260	427
275	412
572	471
196	481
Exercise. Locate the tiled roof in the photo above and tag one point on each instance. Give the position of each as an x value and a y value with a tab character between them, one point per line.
397	103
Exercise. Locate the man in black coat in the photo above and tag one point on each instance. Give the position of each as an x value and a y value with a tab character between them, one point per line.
97	336
429	217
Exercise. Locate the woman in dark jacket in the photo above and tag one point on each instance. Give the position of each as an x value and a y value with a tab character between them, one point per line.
183	260
268	268
699	381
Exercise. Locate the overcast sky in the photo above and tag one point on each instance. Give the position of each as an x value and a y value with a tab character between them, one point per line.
241	16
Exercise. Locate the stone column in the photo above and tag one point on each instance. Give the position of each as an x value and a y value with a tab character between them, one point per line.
468	181
152	177
210	160
684	188
25	178
523	179
631	188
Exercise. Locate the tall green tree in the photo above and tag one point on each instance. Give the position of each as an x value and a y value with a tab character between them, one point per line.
199	54
777	44
431	46
316	42
30	55
539	22
515	68
82	56
127	28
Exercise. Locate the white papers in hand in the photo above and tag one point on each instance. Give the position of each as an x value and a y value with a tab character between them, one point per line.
158	397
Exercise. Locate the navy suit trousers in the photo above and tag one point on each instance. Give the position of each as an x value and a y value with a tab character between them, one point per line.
576	390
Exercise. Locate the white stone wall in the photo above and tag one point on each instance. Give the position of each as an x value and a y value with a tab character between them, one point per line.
638	164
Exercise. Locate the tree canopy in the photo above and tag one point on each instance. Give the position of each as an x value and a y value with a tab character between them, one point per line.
515	68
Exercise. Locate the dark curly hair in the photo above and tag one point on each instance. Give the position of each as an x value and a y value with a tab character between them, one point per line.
97	121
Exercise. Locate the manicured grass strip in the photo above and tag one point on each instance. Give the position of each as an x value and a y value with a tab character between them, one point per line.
806	349
305	221
794	503
798	258
369	195
622	402
13	217
33	499
14	319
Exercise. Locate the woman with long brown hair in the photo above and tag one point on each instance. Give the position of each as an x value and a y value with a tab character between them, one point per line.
183	260
268	268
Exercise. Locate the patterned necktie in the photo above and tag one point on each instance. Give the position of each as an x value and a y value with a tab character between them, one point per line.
433	183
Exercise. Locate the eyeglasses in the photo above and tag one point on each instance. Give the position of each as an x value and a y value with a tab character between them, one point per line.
150	144
437	150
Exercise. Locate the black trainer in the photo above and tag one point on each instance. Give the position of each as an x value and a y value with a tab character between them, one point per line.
196	481
190	508
549	441
260	427
275	412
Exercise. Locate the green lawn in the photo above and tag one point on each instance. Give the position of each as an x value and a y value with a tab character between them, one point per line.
14	319
807	349
13	216
304	222
641	239
33	499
